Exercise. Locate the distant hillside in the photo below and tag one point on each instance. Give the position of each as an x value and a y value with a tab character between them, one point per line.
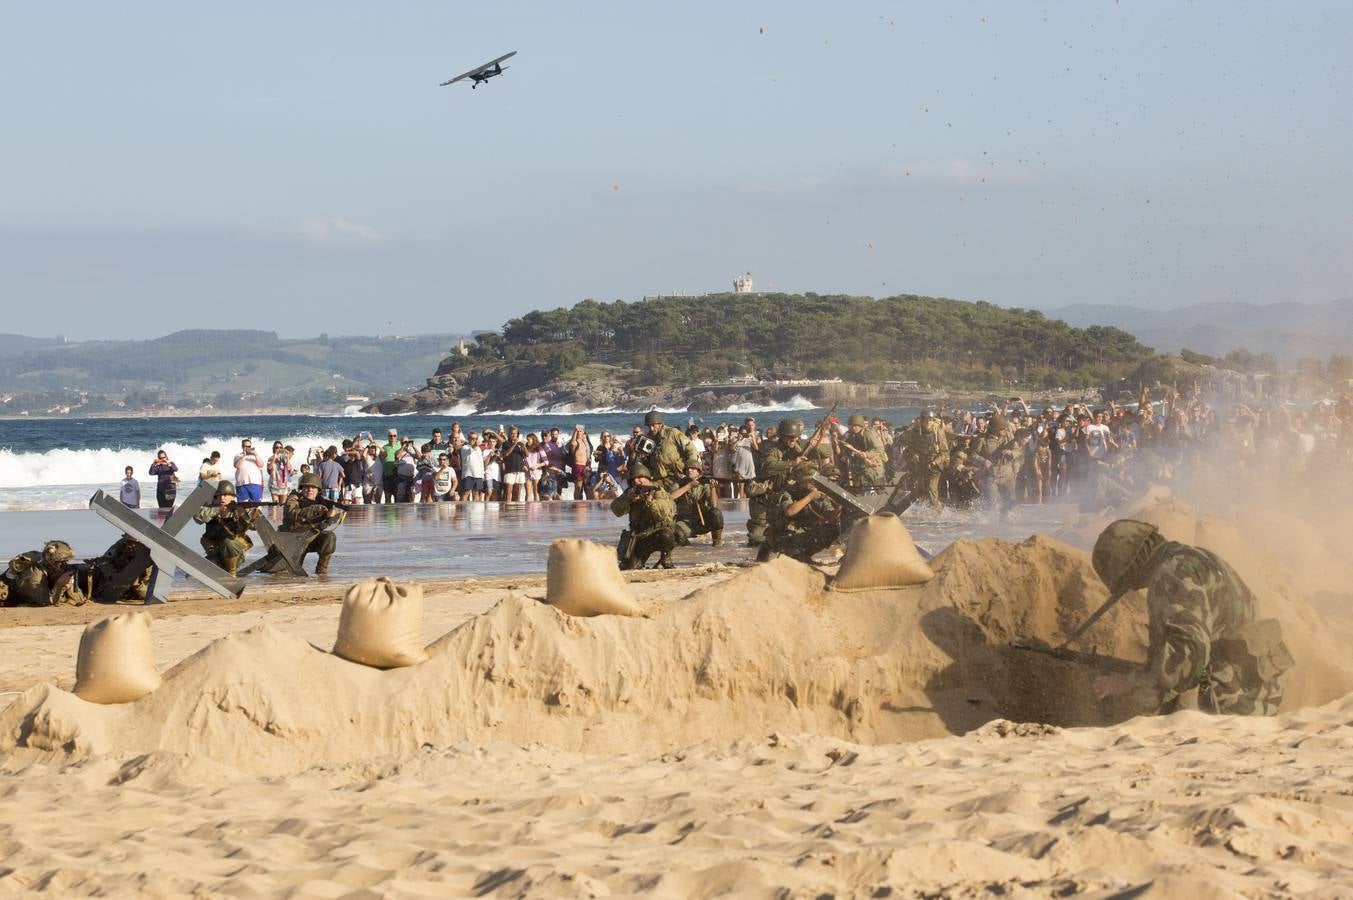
627	355
227	368
1289	331
14	344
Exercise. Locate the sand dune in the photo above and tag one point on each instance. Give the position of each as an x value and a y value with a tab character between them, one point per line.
758	736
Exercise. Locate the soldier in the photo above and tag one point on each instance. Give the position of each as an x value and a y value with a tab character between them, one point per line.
103	578
43	577
226	537
672	455
961	480
866	457
776	460
1203	633
998	453
305	513
652	526
697	511
927	456
803	520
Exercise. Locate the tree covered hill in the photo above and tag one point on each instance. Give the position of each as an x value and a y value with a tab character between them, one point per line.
227	367
950	342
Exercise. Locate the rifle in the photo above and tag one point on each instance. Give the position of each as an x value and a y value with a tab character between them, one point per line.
1094	660
817	433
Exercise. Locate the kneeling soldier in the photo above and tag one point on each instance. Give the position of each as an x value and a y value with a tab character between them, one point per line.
652	522
226	538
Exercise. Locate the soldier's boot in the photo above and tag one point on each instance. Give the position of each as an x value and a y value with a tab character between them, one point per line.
231	564
764	554
716	538
665	560
322	564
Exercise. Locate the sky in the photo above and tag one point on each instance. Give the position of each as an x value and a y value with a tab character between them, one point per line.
296	167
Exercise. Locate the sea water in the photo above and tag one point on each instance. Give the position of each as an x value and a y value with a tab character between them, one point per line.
49	469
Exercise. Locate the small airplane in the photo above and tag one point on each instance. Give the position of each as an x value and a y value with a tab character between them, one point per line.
483	73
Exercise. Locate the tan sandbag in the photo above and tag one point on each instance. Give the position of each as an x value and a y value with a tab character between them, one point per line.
1175	518
381	624
583	579
116	662
880	554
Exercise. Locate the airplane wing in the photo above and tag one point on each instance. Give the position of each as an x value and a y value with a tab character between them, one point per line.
477	69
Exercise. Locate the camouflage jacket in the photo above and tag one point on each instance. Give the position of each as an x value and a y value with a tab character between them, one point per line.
672	456
229	524
1200	615
870	444
699	497
650	517
928	447
29	582
819	513
299	514
1002	450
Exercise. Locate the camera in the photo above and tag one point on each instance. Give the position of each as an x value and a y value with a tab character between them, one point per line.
645	445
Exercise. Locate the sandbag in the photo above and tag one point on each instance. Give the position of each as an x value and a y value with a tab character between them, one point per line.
583	579
381	624
880	554
116	662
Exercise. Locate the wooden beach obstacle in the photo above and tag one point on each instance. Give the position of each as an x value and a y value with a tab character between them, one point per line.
167	552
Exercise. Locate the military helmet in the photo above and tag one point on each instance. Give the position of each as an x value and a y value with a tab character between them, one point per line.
858	419
55	552
803	470
998	424
640	471
1121	550
790	428
225	489
310	479
653	417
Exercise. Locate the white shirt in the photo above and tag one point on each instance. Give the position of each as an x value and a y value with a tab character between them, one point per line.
471	461
248	468
1097	440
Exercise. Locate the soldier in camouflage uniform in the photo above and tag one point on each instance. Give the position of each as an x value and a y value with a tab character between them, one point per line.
305	513
999	453
100	576
673	453
961	480
774	469
1203	633
697	510
927	456
865	456
43	577
652	527
226	537
803	521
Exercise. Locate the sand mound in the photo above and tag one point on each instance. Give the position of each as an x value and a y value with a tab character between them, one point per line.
766	651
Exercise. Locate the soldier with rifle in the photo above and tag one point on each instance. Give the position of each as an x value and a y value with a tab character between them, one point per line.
997	452
866	457
226	537
306	513
927	454
697	510
652	522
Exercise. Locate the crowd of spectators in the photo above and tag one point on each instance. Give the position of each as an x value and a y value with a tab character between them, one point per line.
1059	454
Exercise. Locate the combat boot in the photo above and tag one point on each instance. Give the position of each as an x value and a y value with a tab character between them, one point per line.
322	564
231	565
715	538
665	561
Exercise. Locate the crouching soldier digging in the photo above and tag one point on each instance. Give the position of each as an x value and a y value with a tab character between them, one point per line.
652	522
305	513
1203	634
226	538
697	510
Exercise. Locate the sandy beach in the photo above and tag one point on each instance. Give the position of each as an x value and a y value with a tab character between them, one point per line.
753	732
